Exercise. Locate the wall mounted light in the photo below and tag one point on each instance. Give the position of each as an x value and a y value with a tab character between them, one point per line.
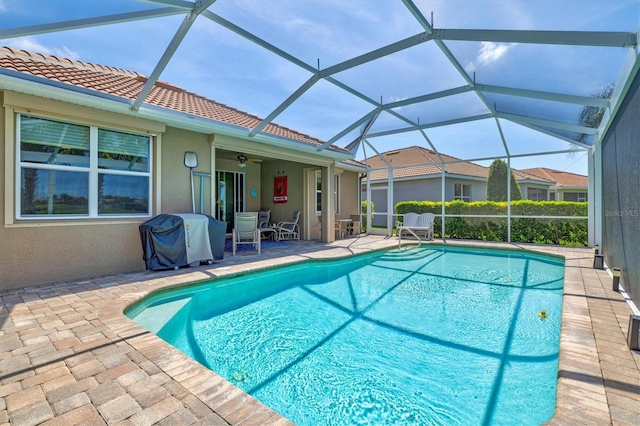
242	159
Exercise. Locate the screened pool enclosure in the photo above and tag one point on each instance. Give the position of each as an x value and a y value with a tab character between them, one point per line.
540	83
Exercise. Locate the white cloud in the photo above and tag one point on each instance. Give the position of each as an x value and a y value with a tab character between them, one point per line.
491	53
30	44
470	67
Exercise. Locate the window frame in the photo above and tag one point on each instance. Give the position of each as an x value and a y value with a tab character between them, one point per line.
93	171
462	197
544	192
336	193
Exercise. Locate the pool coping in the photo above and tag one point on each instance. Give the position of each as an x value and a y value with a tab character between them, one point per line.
64	345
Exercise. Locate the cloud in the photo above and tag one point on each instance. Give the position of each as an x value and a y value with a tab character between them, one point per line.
491	53
30	44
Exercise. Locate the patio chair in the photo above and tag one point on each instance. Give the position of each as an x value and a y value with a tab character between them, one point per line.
355	227
267	231
246	230
289	230
264	216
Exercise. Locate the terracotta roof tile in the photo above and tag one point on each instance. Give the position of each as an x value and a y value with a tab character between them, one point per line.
128	84
417	161
524	175
561	179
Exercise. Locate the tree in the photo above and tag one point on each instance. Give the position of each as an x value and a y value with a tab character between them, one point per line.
497	183
591	116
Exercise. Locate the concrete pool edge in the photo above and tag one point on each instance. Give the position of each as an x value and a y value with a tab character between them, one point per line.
93	312
568	353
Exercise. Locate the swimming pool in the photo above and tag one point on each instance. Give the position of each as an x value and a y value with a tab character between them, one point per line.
435	335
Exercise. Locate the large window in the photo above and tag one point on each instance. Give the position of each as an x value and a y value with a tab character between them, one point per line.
462	192
74	171
575	196
537	194
319	193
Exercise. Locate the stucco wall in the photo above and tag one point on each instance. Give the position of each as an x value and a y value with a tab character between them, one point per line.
294	173
37	252
176	181
620	199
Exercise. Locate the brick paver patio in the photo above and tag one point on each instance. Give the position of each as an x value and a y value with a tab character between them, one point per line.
68	355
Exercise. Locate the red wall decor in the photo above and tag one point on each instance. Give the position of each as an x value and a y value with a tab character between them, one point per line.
280	189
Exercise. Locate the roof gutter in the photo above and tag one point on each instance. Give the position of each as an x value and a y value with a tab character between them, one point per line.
51	89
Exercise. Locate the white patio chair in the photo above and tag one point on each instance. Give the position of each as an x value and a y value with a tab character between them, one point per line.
246	230
355	227
289	230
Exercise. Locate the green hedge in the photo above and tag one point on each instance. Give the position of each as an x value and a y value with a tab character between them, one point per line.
568	232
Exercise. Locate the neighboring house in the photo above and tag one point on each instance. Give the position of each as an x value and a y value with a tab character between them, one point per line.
81	169
533	187
417	175
566	186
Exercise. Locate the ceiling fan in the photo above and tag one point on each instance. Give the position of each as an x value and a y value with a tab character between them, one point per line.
243	159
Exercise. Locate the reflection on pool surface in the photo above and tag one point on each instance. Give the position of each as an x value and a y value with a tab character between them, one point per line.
435	335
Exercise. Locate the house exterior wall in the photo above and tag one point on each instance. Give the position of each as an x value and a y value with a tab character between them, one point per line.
478	189
620	200
176	181
294	172
34	252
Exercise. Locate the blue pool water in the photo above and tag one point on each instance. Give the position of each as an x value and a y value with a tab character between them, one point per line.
421	336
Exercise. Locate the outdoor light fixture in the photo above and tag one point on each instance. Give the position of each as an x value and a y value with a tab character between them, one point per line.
598	259
242	160
633	334
616	279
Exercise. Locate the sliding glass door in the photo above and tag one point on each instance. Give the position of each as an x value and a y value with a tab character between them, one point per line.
231	196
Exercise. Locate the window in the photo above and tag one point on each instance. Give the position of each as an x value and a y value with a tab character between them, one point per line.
575	196
537	194
462	192
319	193
73	171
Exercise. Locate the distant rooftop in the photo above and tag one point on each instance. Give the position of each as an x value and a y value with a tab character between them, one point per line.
416	161
562	179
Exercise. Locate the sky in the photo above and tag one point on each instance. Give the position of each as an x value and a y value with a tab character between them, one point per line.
216	62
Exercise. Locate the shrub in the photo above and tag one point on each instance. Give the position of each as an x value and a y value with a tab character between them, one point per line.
363	209
568	232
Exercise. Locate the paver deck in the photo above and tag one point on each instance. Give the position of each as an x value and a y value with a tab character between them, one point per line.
68	355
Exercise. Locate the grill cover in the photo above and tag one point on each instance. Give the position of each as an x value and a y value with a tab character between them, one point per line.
170	241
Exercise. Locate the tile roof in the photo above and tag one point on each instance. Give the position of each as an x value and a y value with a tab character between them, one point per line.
128	84
416	161
561	179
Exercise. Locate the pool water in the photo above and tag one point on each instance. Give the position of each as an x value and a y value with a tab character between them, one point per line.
420	336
